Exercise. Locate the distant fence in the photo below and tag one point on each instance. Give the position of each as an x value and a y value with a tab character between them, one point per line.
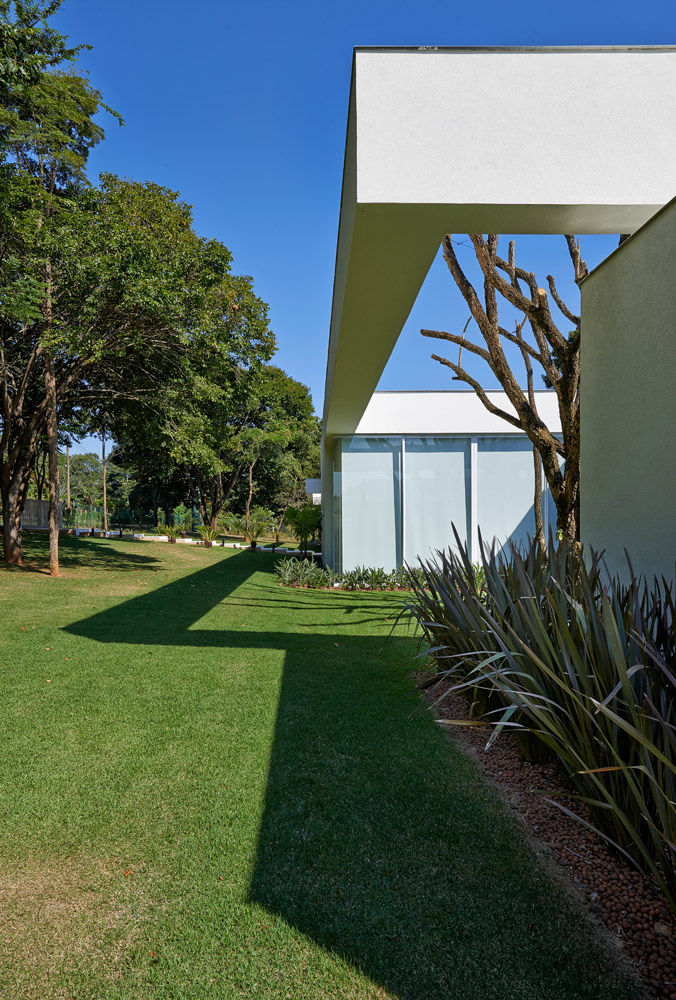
87	517
83	517
36	514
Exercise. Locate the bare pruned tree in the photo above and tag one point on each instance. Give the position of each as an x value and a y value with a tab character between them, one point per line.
555	352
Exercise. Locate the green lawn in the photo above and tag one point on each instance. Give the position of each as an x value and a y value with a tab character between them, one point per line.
212	787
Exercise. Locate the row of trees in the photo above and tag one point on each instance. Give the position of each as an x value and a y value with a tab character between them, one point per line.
117	318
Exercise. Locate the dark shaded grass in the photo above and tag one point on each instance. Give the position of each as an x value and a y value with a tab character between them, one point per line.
250	755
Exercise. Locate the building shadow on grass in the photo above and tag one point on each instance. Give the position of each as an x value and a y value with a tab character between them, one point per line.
377	841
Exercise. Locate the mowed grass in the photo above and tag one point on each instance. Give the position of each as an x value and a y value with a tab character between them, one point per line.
213	787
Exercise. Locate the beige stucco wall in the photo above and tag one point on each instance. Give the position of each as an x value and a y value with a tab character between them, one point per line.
628	401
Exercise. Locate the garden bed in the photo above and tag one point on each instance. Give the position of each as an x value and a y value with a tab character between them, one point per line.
306	574
625	901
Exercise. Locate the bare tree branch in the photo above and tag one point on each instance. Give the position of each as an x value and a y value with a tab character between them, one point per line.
556	353
581	269
454	338
481	393
560	303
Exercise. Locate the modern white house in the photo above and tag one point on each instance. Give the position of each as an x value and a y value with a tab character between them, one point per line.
419	462
553	140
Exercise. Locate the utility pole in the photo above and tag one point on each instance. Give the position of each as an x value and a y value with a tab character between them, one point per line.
68	473
103	461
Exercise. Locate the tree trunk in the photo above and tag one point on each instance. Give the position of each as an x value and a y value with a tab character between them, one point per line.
250	494
40	474
52	437
68	474
537	501
566	523
105	480
53	461
11	529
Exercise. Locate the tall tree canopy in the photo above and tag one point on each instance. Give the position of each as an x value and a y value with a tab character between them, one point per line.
47	130
226	432
114	313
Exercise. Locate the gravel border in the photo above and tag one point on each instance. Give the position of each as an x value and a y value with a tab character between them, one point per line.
626	902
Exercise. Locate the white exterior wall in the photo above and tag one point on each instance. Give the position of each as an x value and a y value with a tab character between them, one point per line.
436	144
447	412
628	401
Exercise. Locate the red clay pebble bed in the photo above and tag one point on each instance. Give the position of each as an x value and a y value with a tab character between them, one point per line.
624	900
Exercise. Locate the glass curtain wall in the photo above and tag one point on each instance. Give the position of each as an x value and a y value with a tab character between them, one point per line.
505	481
396	498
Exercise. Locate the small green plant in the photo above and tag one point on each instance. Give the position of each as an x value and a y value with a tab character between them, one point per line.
172	531
260	523
208	535
179	514
304	573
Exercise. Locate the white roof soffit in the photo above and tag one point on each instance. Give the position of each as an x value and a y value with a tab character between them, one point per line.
482	140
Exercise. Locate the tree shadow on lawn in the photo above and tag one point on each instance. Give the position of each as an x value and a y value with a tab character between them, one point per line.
78	552
378	840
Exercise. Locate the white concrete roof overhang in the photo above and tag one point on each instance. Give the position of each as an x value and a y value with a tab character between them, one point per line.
435	413
482	140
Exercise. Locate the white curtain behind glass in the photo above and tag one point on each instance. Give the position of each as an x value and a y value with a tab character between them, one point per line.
505	483
436	494
371	502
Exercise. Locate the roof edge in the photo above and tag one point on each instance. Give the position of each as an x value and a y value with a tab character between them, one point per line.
630	238
469	49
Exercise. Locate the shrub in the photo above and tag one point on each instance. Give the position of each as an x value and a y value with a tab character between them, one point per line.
207	534
180	514
304	573
587	669
259	523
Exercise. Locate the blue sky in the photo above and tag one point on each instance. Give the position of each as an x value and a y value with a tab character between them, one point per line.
242	108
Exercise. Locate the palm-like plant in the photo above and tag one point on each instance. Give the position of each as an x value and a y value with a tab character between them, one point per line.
172	531
208	535
260	521
303	521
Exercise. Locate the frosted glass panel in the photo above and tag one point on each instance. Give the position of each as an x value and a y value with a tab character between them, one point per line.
505	489
436	494
370	487
337	513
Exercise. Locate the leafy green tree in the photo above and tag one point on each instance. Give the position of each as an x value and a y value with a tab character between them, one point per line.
28	44
47	130
281	445
140	296
86	478
282	442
